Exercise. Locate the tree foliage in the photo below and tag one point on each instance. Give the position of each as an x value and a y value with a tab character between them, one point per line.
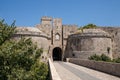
6	31
19	60
89	26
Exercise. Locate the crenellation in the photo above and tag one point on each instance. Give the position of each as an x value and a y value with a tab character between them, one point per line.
44	18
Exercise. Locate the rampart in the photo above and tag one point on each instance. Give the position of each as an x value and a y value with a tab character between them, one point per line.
38	38
91	41
115	38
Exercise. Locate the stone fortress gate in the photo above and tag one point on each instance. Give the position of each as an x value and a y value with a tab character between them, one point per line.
60	41
50	35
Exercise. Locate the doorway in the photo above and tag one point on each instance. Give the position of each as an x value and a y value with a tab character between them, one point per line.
57	54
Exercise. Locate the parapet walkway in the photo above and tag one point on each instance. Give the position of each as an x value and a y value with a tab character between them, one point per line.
69	71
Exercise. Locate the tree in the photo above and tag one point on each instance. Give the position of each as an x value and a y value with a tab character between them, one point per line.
89	26
6	31
19	60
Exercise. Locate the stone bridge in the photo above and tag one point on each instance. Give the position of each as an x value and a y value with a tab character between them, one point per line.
68	71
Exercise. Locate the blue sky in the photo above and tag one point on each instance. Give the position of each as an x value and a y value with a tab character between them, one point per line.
79	12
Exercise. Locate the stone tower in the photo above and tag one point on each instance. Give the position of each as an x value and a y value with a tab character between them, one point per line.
57	32
46	25
57	39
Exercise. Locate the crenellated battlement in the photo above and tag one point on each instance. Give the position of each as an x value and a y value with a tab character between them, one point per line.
46	18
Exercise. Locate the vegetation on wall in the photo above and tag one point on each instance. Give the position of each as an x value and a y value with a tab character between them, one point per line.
117	60
88	26
19	60
103	57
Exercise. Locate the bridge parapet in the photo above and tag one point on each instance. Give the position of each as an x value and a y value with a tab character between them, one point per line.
53	73
107	67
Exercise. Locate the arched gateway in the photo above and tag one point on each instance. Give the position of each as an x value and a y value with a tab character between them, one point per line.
57	54
50	34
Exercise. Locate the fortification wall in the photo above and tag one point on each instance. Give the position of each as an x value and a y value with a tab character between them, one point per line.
94	41
86	44
115	35
45	28
41	40
69	29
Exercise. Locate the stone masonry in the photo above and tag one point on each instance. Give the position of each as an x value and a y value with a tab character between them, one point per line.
63	41
89	42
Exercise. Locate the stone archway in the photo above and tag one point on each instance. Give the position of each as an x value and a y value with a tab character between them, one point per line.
57	54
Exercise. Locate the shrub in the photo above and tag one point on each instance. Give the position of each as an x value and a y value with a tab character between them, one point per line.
105	58
95	57
19	60
89	26
117	60
102	57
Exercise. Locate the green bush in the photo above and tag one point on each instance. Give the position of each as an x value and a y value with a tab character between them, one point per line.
89	26
105	58
95	57
19	60
117	60
102	57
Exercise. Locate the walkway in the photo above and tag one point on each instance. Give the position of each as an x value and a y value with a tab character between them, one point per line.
69	71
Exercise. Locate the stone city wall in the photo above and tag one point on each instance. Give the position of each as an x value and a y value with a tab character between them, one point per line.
39	39
86	44
115	35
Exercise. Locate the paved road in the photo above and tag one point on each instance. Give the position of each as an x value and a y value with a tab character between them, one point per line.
69	71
